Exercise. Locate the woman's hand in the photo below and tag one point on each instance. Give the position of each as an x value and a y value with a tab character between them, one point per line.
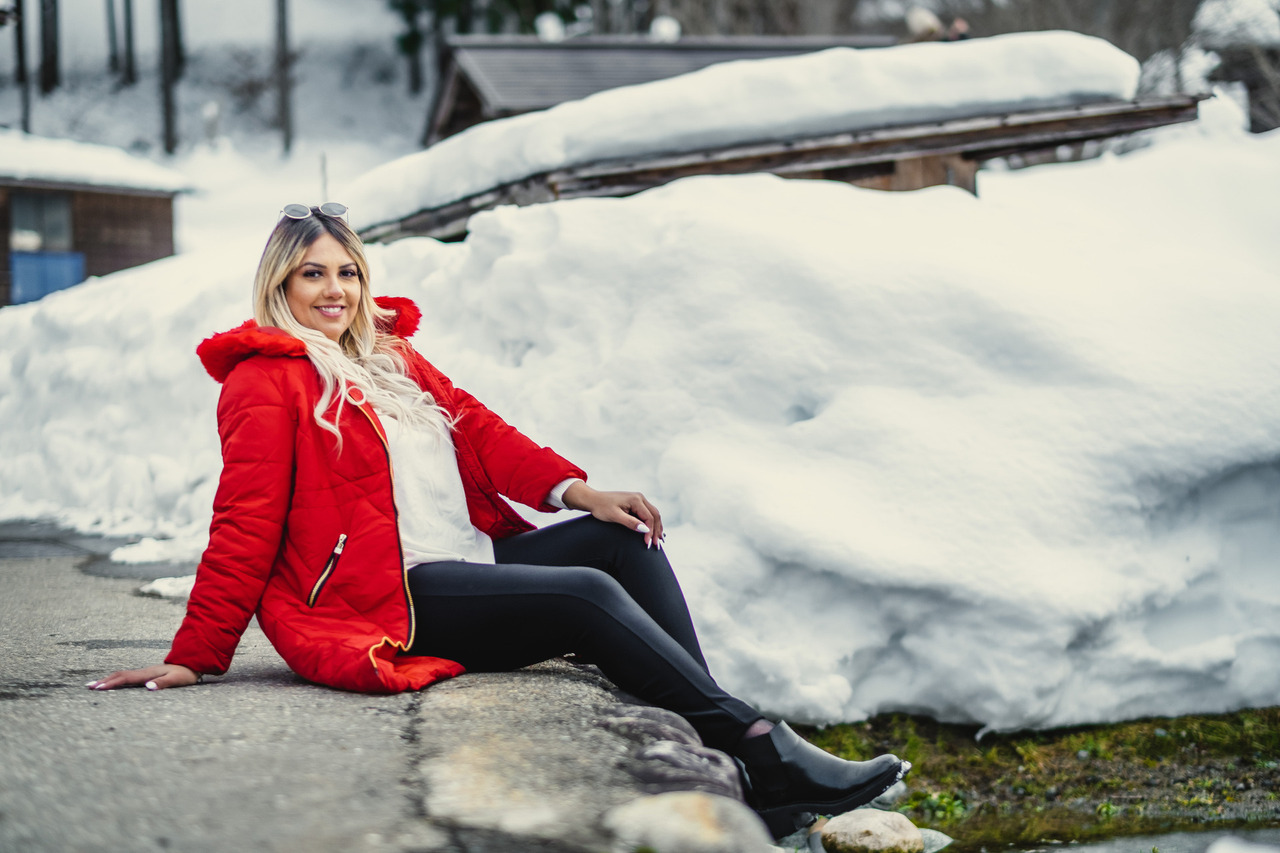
153	678
630	509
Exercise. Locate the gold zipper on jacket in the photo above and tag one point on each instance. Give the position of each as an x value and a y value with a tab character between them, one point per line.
328	569
404	570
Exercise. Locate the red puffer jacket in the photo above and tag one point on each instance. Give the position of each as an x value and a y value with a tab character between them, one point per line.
307	537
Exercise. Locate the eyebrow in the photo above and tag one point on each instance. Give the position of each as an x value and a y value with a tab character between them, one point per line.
322	266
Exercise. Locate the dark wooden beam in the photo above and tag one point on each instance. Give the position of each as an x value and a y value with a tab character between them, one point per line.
854	153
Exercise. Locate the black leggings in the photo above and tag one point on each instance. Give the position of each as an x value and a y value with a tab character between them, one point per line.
582	586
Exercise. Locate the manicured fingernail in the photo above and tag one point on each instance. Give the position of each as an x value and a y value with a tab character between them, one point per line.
659	544
99	687
90	683
151	685
642	528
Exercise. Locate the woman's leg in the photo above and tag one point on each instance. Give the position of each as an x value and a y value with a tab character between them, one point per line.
491	618
644	573
497	618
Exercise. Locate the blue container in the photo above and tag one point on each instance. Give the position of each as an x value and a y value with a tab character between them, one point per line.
37	274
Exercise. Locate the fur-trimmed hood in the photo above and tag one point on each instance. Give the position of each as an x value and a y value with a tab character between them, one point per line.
222	352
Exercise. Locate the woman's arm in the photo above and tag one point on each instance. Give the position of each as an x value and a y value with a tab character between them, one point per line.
524	470
257	429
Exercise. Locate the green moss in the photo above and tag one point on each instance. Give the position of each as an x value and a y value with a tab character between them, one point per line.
1083	783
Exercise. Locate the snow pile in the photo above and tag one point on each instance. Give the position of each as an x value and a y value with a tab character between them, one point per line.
1233	844
32	158
1224	23
1008	460
830	91
106	417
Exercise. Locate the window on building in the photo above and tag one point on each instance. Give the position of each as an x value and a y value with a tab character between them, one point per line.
41	259
41	222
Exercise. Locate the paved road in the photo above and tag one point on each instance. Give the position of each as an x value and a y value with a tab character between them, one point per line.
526	762
258	761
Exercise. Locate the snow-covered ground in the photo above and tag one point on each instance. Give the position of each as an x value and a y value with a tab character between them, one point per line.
1007	459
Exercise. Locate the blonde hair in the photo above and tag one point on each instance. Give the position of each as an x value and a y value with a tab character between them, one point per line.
363	360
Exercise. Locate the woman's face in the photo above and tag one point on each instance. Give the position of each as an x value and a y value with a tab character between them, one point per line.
324	290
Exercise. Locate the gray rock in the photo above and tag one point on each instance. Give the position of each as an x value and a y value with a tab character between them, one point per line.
687	822
871	831
544	753
934	840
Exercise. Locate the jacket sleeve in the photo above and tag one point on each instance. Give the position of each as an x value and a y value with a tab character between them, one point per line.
257	429
518	467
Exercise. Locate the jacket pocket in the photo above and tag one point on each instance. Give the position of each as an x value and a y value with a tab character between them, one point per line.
329	566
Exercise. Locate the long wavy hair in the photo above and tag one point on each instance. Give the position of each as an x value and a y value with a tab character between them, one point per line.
365	364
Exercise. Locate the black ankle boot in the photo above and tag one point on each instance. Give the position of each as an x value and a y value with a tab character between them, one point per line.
789	780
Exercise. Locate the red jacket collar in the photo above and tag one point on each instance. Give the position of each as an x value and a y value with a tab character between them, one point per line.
222	352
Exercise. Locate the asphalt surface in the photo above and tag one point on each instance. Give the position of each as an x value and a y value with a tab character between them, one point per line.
46	539
258	760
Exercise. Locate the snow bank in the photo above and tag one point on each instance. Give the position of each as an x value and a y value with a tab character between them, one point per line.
991	461
1009	460
34	158
1227	23
106	416
1232	844
736	102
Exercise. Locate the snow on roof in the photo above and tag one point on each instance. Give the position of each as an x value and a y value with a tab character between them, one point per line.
25	157
830	91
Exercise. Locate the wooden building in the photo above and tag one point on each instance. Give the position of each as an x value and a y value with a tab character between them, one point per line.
488	77
897	157
70	210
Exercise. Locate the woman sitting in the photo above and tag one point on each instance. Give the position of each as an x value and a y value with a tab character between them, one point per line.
361	516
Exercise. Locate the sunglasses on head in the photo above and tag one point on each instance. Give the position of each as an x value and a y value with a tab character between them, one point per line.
302	211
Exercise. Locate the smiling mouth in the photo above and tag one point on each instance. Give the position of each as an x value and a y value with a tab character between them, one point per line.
331	310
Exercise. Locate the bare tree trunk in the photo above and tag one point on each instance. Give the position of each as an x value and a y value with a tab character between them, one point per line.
50	67
20	63
169	71
130	75
416	76
599	16
845	12
639	15
113	43
284	94
412	40
179	46
1264	100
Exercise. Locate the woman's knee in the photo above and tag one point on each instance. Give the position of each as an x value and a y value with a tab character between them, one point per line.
610	535
589	585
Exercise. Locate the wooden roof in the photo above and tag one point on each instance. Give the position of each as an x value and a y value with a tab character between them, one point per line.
489	77
842	156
